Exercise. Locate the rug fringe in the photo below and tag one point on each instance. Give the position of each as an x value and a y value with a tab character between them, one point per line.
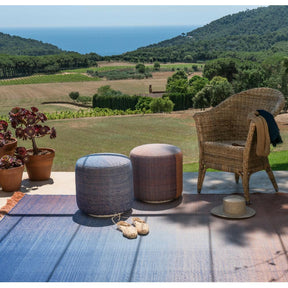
11	203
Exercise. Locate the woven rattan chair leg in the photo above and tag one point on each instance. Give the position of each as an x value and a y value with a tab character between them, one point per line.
245	183
201	175
236	178
272	178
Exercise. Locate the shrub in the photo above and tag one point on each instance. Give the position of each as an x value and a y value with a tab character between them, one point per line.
84	99
92	73
74	95
159	105
143	103
140	68
195	68
156	66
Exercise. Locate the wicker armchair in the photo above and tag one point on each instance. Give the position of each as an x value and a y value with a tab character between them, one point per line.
227	124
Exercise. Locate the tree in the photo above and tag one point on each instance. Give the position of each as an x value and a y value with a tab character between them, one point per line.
188	58
249	78
196	83
179	91
108	91
202	98
220	90
140	68
213	93
220	67
74	95
156	66
177	83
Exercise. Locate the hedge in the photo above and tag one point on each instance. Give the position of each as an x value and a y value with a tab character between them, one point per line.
181	101
122	102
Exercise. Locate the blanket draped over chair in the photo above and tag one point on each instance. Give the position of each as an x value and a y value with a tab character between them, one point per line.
228	142
263	137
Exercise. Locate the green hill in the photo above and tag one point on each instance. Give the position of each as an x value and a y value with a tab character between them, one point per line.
263	29
15	45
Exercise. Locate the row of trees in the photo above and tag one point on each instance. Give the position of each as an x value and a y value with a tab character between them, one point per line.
243	75
223	77
197	92
18	66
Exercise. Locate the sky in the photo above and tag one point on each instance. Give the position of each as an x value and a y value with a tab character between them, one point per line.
76	13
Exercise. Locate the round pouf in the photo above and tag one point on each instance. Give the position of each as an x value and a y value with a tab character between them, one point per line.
157	172
104	184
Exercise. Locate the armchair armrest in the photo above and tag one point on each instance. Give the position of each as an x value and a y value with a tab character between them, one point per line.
249	142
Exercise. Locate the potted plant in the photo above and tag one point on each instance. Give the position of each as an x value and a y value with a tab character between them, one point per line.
27	125
11	172
8	144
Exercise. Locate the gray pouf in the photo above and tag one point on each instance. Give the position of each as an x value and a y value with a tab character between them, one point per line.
104	184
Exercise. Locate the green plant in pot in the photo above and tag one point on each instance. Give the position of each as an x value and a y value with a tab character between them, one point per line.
28	126
8	144
11	171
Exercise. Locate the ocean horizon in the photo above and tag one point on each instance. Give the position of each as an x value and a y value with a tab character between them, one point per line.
105	41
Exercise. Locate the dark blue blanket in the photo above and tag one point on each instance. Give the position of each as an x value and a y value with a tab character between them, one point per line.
274	132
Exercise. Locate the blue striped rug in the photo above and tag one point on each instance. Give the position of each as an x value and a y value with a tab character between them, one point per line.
46	238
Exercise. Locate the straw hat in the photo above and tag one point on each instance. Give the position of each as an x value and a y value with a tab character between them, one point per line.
233	207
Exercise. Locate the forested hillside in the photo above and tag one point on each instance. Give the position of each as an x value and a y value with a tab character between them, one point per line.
258	31
15	45
17	66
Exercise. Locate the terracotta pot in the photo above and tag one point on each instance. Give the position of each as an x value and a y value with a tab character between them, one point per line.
10	179
39	166
9	149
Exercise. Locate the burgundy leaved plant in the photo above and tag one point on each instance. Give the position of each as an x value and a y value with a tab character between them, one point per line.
8	161
5	135
27	125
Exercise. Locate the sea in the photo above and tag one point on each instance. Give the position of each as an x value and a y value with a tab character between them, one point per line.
105	41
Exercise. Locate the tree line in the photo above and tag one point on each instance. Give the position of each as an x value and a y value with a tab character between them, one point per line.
224	77
19	66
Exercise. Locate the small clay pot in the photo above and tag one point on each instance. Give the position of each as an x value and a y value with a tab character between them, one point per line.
10	179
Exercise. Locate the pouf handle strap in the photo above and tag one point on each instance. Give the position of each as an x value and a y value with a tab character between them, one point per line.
179	173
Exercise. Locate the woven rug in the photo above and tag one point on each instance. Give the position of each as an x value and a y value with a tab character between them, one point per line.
46	238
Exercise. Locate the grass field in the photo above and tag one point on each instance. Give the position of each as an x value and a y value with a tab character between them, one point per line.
79	137
57	78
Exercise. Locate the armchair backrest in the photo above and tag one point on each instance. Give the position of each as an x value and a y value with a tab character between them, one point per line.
229	118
